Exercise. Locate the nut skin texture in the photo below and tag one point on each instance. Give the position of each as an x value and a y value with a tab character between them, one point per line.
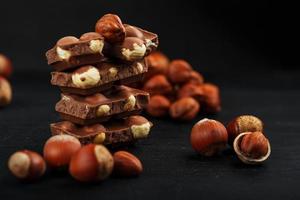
157	64
158	106
59	149
211	98
254	145
27	165
184	109
5	92
158	84
252	148
196	78
191	90
208	137
6	67
126	164
179	71
111	28
91	163
243	123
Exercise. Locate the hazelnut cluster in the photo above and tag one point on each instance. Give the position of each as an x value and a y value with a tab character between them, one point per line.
178	90
5	87
89	163
244	134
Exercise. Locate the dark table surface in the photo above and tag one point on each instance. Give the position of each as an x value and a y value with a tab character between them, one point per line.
250	84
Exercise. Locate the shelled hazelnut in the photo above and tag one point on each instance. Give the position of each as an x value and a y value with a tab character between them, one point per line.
126	164
27	165
176	80
184	109
252	147
111	28
158	106
208	137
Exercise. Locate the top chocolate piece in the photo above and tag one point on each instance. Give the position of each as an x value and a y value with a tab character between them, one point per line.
112	39
70	52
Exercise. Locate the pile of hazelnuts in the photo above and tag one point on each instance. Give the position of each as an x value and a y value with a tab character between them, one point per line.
178	90
89	163
5	87
244	134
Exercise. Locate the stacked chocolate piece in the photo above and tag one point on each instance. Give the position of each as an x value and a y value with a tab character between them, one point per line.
92	72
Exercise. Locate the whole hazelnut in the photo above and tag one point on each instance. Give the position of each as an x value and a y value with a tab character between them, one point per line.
179	71
252	147
126	164
208	137
191	90
5	66
111	28
196	78
211	98
241	124
157	64
158	106
91	163
5	92
59	149
26	165
158	84
184	109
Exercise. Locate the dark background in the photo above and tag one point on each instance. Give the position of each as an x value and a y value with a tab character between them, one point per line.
249	49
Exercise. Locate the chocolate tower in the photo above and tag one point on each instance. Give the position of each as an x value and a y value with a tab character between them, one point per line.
92	72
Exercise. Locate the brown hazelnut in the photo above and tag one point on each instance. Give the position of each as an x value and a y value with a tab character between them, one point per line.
211	98
191	90
208	137
158	84
5	66
91	163
126	164
140	127
179	71
157	64
241	124
196	78
252	147
59	149
26	165
5	92
184	109
111	28
158	106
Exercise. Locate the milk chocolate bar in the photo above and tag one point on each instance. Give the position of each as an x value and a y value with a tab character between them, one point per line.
114	133
118	102
90	79
70	52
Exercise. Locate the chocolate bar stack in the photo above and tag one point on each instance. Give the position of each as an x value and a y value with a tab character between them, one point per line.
92	72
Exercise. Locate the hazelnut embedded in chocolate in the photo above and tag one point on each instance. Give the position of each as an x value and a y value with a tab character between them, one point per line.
132	49
111	28
140	126
86	76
